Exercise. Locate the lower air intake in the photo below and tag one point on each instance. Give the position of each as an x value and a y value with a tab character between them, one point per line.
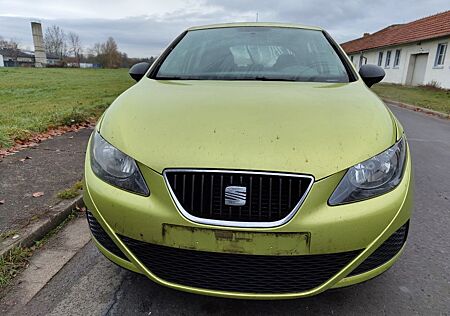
385	252
239	272
102	237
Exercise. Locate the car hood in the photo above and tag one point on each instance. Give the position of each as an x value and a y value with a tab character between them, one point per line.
310	128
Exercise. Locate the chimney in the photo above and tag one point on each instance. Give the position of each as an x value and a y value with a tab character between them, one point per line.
40	58
366	34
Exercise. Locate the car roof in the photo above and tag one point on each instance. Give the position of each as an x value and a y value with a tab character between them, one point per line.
254	24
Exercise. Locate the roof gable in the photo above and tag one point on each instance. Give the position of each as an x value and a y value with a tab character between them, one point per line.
434	26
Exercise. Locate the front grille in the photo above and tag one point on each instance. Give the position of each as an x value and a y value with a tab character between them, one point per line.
102	237
385	252
268	197
239	272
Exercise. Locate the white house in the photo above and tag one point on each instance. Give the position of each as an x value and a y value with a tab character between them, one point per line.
413	53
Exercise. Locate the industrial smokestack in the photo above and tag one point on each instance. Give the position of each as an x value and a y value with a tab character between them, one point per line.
40	58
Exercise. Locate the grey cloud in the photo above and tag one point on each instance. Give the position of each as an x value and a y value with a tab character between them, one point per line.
137	36
147	34
343	19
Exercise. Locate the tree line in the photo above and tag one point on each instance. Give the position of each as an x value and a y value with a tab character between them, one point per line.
68	48
8	44
11	45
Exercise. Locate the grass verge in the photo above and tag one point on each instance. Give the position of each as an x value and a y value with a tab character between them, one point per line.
11	263
423	96
35	99
7	234
72	192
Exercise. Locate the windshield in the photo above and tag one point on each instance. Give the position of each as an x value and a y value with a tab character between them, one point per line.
254	53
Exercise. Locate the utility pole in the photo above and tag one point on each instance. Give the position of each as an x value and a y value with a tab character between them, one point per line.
257	16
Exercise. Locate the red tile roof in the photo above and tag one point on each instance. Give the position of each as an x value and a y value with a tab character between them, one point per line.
434	26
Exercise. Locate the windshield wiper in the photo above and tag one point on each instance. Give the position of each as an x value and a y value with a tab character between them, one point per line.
266	78
172	78
243	78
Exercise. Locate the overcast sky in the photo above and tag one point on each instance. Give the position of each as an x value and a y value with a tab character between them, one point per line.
143	28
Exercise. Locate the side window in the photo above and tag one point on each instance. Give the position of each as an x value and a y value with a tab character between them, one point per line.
380	58
440	54
388	59
397	57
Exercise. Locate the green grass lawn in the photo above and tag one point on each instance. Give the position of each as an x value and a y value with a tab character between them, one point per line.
33	99
426	97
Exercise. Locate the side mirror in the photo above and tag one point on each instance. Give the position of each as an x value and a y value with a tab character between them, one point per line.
371	74
138	70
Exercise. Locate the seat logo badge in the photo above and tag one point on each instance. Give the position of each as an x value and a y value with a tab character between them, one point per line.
235	196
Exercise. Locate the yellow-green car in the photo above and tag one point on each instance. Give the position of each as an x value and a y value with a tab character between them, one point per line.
250	160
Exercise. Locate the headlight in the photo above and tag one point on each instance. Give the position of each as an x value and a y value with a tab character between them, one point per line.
372	177
114	167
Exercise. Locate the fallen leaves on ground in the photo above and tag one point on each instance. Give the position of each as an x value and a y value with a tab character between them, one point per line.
26	158
35	139
37	194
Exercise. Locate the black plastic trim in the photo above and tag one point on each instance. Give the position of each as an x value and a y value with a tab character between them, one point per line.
385	252
155	68
102	237
242	273
351	73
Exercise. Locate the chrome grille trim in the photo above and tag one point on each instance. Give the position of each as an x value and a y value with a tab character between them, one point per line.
242	224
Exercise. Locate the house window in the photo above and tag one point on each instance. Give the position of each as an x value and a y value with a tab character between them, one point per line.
380	58
362	60
397	58
440	55
388	59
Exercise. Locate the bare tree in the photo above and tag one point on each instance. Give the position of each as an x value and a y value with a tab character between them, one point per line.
75	46
96	50
110	55
55	41
11	44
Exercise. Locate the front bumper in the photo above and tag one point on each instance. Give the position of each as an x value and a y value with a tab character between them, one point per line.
357	229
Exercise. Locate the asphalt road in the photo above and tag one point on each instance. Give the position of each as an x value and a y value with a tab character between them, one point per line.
419	284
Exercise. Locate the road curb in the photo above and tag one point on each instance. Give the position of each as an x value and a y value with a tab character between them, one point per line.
38	229
59	250
418	108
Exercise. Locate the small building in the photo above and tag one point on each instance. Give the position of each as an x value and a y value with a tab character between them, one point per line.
54	60
23	58
413	53
86	65
16	58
